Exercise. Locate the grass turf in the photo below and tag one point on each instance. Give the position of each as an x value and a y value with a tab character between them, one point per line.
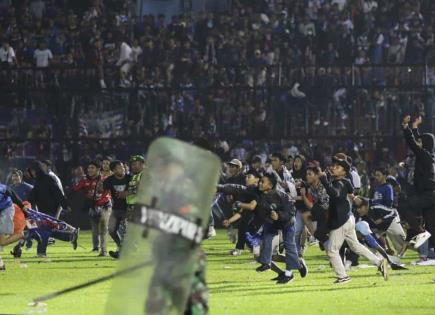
235	287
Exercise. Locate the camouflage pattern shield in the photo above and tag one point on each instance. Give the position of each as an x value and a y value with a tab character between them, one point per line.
171	215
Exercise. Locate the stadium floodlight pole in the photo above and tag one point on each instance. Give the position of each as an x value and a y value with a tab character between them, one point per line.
90	283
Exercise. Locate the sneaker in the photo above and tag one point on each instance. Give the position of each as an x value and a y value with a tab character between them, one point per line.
17	251
421	238
3	268
303	271
51	241
263	268
114	254
102	254
41	255
281	274
75	237
312	241
342	280
397	266
95	249
235	252
383	268
285	279
211	232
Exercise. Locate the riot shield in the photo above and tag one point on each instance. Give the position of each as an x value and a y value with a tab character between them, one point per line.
165	230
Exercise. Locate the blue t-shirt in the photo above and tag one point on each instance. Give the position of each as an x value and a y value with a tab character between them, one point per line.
22	190
384	195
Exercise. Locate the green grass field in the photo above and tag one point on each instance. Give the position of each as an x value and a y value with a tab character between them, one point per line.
235	287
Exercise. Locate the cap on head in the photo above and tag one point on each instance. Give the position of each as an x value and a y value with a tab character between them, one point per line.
236	162
137	158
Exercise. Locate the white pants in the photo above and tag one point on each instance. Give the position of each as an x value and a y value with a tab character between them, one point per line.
396	234
347	233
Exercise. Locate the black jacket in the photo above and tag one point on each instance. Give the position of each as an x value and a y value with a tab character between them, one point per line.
424	173
282	204
243	193
281	201
45	193
339	204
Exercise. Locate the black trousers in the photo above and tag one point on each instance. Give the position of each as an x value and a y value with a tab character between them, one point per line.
244	223
117	225
419	211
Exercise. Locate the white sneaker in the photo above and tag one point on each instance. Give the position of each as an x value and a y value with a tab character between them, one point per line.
211	232
421	238
236	252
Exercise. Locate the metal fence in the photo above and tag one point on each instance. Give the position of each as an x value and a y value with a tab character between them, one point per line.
204	75
63	114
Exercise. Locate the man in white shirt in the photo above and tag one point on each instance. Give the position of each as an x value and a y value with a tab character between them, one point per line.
7	55
125	62
42	56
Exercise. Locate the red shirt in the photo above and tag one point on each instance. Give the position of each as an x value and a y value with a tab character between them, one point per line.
101	197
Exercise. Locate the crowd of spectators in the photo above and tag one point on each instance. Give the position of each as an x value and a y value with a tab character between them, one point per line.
262	70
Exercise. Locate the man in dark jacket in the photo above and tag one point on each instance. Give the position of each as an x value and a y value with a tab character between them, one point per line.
244	206
422	203
45	194
277	212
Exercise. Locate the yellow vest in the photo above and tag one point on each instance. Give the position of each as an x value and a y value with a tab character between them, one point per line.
133	185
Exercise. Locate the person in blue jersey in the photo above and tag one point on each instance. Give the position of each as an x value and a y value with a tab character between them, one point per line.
366	208
387	220
20	187
383	193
